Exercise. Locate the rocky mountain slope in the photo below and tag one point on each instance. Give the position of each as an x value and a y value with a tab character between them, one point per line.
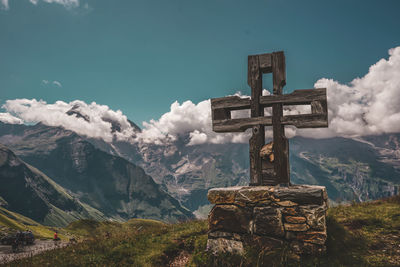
351	169
26	190
111	184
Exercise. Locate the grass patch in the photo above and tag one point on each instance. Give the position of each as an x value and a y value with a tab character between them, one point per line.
134	243
365	234
11	222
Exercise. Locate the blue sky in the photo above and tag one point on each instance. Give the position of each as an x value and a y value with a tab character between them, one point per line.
141	56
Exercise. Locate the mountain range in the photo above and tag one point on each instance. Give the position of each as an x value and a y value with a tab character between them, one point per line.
169	181
351	169
117	188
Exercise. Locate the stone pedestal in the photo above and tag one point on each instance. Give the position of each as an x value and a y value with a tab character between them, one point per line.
269	217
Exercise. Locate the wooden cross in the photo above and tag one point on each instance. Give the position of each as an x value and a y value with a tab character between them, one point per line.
275	170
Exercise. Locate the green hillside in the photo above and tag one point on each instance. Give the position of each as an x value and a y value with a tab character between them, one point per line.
366	234
26	190
10	222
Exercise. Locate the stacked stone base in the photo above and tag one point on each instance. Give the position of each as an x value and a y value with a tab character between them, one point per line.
268	217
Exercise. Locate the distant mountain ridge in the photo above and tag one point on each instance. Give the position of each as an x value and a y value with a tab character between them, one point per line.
351	169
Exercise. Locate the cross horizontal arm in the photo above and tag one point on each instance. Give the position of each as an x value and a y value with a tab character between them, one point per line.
299	121
230	103
240	125
297	97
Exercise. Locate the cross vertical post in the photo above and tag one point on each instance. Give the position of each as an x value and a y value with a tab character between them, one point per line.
254	79
281	144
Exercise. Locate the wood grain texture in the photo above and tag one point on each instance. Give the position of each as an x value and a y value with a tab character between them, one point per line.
257	140
230	102
299	121
220	114
265	63
255	143
306	120
278	72
281	164
297	97
316	107
240	125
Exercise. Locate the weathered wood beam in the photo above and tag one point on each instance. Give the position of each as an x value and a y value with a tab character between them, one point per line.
278	72
265	61
319	107
316	107
230	102
240	125
220	114
299	121
256	142
269	180
306	120
297	97
281	151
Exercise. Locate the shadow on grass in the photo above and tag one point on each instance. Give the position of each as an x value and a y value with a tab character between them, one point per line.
344	248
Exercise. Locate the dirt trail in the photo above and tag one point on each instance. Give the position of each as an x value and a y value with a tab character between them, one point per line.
6	254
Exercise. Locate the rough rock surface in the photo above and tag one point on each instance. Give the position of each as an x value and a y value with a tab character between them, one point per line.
268	216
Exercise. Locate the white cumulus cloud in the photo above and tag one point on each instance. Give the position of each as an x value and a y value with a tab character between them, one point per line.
186	118
10	119
366	106
95	120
